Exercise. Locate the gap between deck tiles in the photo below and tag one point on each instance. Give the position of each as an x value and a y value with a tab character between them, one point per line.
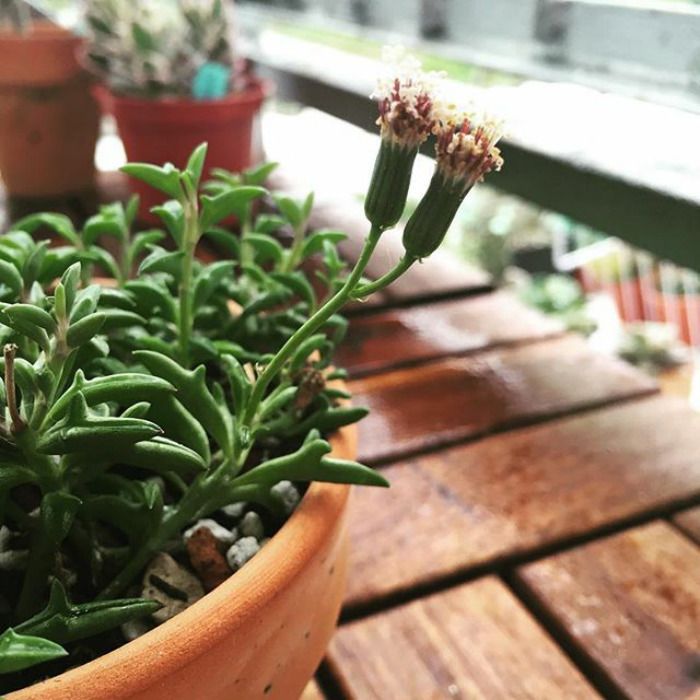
593	673
501	565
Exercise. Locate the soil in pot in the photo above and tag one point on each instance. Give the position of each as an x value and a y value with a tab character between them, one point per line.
49	119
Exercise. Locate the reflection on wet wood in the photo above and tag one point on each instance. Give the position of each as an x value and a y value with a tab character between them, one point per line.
510	494
440	403
400	337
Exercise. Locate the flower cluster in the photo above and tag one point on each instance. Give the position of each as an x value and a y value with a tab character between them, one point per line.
465	149
408	100
410	110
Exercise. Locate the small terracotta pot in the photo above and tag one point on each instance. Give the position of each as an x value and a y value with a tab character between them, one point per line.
261	634
682	310
168	130
49	119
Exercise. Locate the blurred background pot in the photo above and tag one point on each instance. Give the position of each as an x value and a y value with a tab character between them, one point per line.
168	130
49	119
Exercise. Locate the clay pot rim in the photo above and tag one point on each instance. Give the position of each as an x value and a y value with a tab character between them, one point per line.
41	31
254	92
243	596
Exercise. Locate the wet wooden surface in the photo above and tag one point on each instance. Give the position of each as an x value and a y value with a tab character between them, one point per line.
402	337
508	446
440	403
631	605
467	642
500	498
488	570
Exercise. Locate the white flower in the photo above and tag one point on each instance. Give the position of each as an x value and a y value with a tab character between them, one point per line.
465	149
408	99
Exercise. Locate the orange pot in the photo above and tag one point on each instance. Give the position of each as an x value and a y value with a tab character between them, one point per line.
261	634
48	118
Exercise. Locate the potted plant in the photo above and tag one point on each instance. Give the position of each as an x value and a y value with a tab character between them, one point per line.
48	116
171	82
159	428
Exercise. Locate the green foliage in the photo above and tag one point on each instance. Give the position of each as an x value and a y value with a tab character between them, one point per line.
133	405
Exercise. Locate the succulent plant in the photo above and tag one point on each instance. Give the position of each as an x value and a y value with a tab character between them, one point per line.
158	49
14	15
137	409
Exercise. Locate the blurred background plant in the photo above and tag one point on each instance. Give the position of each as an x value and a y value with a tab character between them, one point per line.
157	48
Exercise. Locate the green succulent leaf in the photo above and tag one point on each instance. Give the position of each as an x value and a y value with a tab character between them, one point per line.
11	278
232	201
314	243
58	511
194	395
20	651
195	164
166	178
173	216
84	330
160	260
123	389
63	622
59	223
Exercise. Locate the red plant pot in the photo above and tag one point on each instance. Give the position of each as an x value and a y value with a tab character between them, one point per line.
168	130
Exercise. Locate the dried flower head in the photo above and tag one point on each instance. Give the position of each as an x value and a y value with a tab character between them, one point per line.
407	97
465	149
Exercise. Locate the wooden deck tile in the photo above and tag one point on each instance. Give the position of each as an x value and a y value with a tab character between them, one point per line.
474	641
631	603
443	402
689	522
510	494
402	337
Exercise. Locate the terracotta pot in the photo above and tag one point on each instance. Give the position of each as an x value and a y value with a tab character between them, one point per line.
49	119
261	634
681	310
633	297
168	130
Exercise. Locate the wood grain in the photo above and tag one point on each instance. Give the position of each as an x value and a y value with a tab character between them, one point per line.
474	641
632	604
689	521
402	337
510	494
443	402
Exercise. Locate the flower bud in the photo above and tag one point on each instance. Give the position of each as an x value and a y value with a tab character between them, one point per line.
388	189
465	151
406	101
426	228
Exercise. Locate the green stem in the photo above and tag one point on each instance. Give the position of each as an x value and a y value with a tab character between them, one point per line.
292	259
189	243
333	305
365	290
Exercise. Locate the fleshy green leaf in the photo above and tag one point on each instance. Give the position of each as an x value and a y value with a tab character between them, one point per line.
19	651
63	621
166	178
193	393
233	201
